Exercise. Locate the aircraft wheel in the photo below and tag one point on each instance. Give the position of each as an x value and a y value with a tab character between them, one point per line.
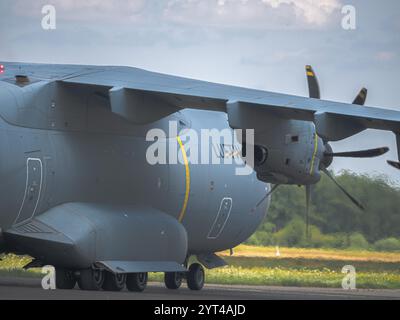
91	279
173	280
65	279
195	277
136	281
114	282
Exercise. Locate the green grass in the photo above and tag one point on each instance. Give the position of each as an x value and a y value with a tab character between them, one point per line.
12	266
294	267
299	278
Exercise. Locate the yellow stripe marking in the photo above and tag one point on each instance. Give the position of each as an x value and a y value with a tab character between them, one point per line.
314	153
187	172
309	73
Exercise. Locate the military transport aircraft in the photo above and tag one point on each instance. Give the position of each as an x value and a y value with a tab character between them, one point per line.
78	193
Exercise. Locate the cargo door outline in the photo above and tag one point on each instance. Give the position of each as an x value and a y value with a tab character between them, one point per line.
31	187
224	212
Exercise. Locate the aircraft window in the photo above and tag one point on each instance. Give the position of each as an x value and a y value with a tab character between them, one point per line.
295	138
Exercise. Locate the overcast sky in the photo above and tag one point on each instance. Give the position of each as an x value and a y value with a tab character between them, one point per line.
261	44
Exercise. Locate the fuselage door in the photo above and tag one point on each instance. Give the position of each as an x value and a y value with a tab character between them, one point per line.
33	188
221	218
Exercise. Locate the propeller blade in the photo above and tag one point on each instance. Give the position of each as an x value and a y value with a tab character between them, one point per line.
354	200
308	201
313	86
361	97
394	164
359	154
267	195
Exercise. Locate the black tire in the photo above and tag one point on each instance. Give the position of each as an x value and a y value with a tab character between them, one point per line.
114	282
65	279
136	281
173	280
91	279
195	277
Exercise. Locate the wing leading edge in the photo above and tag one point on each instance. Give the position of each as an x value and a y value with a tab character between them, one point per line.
157	95
187	93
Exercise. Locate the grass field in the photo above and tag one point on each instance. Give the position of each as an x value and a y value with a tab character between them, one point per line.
293	267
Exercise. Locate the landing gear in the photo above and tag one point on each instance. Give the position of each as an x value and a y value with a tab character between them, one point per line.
195	277
91	279
97	279
65	279
173	280
114	282
136	281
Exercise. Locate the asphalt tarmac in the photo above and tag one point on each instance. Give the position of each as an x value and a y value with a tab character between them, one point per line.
27	288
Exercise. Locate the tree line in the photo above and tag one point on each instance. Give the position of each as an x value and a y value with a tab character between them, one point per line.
334	220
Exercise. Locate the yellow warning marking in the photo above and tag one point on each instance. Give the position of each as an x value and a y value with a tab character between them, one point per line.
187	172
310	73
314	153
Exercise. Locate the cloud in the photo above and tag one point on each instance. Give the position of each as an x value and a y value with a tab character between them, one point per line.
385	55
276	14
255	13
87	10
313	12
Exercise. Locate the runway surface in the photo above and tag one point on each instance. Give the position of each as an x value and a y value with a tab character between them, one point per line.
26	288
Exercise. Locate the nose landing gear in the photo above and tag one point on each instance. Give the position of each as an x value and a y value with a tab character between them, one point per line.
195	278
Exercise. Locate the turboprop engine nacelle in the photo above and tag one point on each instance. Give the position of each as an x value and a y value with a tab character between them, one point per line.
288	152
285	151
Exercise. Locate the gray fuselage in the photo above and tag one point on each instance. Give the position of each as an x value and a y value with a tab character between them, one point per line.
41	169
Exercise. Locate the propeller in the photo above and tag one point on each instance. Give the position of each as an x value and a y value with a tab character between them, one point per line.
328	155
313	86
361	97
396	164
314	92
309	189
308	201
370	153
266	196
354	200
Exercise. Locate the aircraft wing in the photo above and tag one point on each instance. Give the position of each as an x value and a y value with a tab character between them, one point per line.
144	96
187	93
